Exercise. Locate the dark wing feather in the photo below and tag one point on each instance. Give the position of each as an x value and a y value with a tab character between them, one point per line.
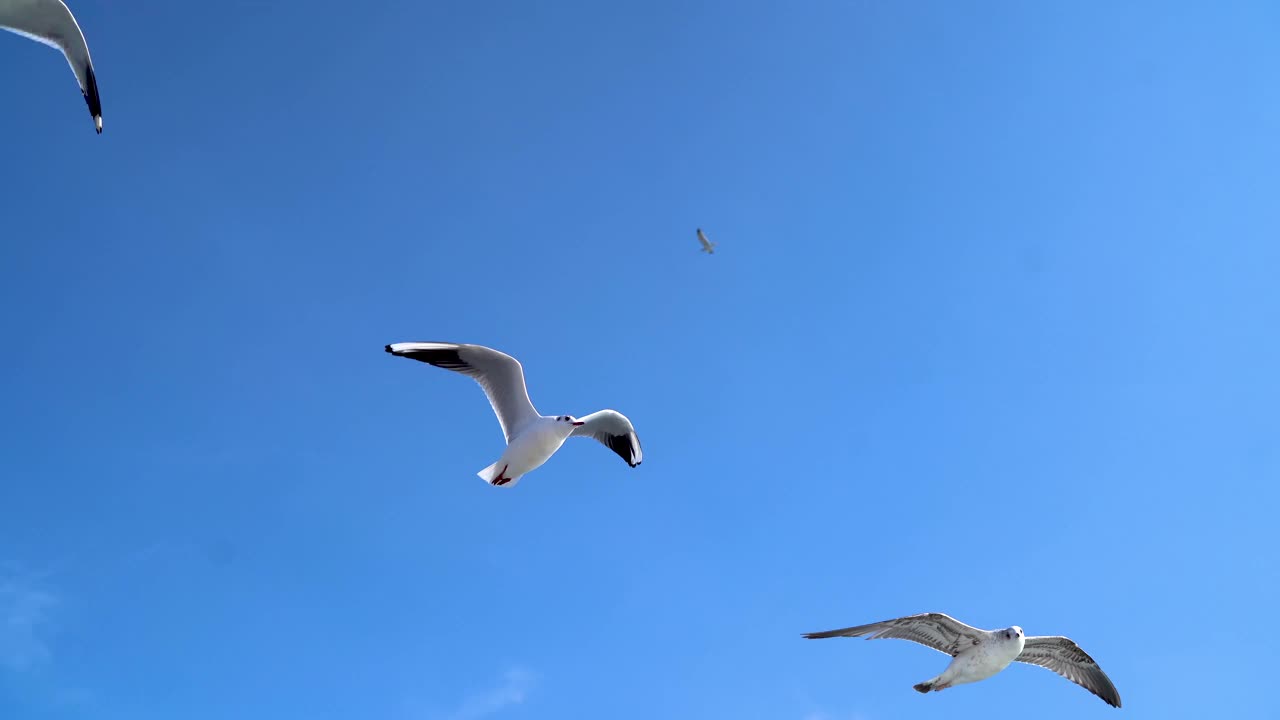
1064	657
934	630
92	98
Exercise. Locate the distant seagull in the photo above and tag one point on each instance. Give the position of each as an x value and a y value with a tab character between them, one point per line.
531	438
979	654
708	247
50	22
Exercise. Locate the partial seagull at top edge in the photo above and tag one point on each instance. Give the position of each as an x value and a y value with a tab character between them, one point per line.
50	22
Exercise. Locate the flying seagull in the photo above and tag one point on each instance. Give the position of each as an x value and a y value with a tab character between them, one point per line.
50	22
979	654
708	247
531	438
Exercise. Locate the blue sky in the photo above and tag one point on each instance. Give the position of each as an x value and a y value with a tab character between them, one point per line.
991	331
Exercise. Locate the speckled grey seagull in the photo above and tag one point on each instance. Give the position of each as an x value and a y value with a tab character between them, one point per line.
50	22
979	654
531	438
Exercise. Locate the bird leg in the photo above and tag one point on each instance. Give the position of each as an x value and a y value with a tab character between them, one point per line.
500	480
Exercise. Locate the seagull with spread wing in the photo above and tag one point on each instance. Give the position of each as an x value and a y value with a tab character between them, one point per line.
531	438
979	654
50	22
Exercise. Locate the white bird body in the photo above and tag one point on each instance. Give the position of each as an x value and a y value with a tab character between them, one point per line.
993	653
531	446
50	22
531	438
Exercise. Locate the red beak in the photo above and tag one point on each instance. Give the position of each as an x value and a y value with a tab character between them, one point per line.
579	423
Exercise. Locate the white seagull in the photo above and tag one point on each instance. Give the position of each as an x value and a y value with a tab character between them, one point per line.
708	247
979	654
50	22
531	438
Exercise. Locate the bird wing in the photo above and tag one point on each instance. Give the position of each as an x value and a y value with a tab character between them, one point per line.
615	431
499	374
935	630
50	22
1064	657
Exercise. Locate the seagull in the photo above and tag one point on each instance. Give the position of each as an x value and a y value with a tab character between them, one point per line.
50	22
979	654
708	247
531	438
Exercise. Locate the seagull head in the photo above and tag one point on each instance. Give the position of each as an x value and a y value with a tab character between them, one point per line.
1013	633
575	422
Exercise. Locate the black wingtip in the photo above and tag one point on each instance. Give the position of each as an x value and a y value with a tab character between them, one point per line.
91	97
446	357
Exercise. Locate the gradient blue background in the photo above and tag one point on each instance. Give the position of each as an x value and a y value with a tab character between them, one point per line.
992	330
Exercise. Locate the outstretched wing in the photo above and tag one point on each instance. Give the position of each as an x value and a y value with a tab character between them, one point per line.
614	430
51	22
1064	657
499	374
935	630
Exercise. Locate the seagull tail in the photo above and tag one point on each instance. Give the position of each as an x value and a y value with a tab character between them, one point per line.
490	473
494	475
